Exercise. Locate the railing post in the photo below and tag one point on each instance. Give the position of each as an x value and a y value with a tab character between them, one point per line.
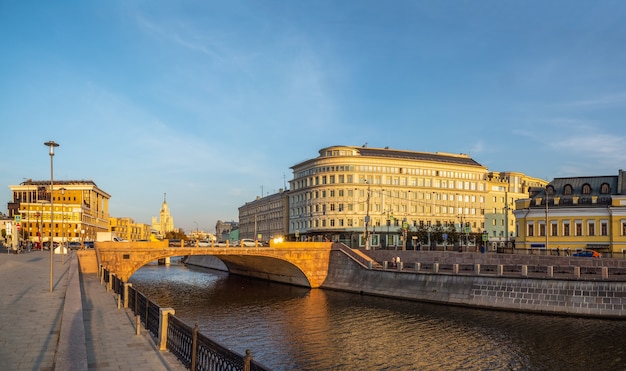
550	271
247	360
455	268
605	273
385	264
500	270
435	267
110	280
577	272
194	347
370	265
418	266
524	270
400	266
137	324
163	323
119	301
477	269
126	300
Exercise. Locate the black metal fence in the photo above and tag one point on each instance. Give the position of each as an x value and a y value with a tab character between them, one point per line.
194	350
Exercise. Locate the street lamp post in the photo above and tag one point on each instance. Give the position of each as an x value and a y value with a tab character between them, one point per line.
51	144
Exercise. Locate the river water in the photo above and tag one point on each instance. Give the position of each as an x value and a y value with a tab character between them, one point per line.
293	328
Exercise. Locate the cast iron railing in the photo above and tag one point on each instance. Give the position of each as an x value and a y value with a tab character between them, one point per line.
193	349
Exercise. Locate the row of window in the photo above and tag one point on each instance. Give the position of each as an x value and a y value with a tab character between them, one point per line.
375	223
566	230
568	189
380	180
376	193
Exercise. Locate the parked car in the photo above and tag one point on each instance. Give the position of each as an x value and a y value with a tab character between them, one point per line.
247	242
588	254
74	245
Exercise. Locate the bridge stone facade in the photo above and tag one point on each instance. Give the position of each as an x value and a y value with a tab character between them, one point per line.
297	263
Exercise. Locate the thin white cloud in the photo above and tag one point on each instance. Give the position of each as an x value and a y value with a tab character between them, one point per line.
609	100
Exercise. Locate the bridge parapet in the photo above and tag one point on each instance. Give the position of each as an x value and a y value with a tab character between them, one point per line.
298	263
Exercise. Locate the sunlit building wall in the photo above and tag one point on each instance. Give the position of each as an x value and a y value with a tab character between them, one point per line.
81	209
333	195
265	218
577	213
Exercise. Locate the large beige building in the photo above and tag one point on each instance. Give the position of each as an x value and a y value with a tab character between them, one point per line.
377	197
78	209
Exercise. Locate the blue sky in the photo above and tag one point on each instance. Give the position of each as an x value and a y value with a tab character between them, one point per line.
211	102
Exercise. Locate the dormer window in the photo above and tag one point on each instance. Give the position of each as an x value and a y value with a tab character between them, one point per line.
567	190
586	189
605	189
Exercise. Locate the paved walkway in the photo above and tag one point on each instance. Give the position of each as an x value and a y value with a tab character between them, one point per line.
41	330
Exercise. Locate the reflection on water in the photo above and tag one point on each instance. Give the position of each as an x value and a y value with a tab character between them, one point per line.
293	328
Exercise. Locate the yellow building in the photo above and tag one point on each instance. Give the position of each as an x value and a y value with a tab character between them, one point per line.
127	229
505	188
80	209
363	196
580	213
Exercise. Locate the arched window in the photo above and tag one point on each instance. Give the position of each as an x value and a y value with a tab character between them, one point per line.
567	190
605	189
550	190
586	189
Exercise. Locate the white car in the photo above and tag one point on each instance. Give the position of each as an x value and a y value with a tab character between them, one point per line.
246	242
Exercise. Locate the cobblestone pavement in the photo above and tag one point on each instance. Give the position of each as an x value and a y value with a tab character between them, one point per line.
31	319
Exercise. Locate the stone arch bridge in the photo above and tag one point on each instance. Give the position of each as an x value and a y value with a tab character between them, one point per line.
296	263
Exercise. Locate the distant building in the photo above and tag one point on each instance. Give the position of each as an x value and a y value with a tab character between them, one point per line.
227	231
575	213
504	189
127	229
81	209
265	218
165	221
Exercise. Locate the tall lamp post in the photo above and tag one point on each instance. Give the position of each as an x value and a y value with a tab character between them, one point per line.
51	144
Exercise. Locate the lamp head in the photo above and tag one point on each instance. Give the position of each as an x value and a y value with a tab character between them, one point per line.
51	144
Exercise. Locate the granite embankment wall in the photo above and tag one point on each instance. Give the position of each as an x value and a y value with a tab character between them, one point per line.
562	296
578	297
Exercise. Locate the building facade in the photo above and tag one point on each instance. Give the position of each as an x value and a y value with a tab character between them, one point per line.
265	218
77	209
127	229
165	222
367	196
504	189
573	214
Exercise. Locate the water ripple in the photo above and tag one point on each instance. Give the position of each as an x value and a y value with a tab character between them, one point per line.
292	328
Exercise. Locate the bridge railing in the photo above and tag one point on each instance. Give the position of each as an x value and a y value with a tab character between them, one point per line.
511	270
193	349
